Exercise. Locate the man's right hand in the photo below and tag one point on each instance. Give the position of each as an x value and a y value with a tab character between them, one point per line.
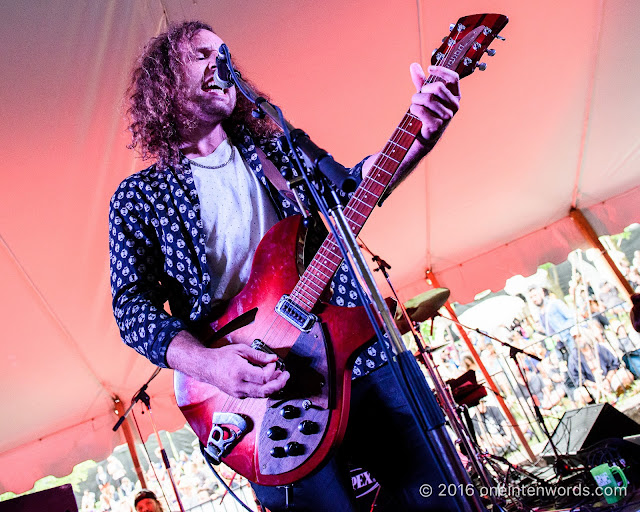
236	369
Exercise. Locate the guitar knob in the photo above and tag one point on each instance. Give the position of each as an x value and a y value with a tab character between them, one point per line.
481	66
293	449
276	433
289	412
308	427
491	52
278	452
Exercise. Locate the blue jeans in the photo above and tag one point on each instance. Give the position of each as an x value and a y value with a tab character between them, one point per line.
381	437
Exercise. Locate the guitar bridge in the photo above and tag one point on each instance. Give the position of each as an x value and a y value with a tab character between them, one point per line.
295	315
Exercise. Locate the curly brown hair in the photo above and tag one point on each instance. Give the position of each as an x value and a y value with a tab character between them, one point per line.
154	97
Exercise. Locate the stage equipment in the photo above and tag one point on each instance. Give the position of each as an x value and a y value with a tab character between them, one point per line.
58	499
581	428
420	308
423	307
142	396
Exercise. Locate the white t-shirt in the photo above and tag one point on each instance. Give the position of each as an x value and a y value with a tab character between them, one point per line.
236	212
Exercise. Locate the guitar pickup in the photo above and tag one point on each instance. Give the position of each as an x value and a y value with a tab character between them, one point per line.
295	315
263	347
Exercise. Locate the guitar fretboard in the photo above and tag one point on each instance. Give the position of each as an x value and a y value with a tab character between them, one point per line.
328	258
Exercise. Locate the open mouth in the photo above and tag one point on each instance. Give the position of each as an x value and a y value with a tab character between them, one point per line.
211	86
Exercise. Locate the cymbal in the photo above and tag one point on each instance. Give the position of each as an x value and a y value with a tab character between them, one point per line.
422	307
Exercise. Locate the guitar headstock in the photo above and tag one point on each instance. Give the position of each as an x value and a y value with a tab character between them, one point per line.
469	39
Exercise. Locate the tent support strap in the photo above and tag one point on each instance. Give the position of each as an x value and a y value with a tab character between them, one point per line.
592	238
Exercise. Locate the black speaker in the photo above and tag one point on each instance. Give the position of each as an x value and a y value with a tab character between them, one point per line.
581	428
58	499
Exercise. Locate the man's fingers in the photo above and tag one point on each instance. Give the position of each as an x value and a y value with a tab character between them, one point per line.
451	78
436	107
436	92
256	356
264	390
258	374
417	75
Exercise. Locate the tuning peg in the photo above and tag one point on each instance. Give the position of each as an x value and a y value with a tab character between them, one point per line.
501	38
481	66
491	52
452	26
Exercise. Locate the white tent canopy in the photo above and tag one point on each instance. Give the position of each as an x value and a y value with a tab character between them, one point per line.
551	124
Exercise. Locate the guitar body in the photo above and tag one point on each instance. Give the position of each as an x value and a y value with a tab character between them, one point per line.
320	363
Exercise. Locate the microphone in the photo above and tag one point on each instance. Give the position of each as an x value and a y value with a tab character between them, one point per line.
222	76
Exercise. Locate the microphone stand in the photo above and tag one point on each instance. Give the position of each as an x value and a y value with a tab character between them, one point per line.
442	390
404	366
513	353
142	396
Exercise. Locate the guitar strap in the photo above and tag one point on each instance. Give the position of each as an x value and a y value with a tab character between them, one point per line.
275	178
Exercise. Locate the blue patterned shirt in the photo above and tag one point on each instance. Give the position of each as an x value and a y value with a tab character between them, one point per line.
157	254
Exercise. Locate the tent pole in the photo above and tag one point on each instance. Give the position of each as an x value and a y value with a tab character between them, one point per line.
492	385
128	435
590	235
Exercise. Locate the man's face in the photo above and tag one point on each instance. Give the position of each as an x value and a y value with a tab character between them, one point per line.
536	296
201	99
147	505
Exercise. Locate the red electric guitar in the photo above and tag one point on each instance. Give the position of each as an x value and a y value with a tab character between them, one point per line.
281	439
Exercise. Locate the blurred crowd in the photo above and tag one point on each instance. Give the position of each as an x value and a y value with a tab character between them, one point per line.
195	481
579	349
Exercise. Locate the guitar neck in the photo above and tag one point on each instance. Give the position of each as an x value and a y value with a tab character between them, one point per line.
328	258
468	40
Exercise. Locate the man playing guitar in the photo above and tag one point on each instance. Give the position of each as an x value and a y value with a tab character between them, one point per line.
185	231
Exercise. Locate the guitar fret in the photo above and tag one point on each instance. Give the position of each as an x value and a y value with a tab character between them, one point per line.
353	224
332	246
406	138
390	158
320	287
363	202
328	268
298	299
356	212
381	169
317	288
374	180
328	276
328	253
400	146
304	292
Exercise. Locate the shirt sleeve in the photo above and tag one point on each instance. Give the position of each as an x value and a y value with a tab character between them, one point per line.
136	269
